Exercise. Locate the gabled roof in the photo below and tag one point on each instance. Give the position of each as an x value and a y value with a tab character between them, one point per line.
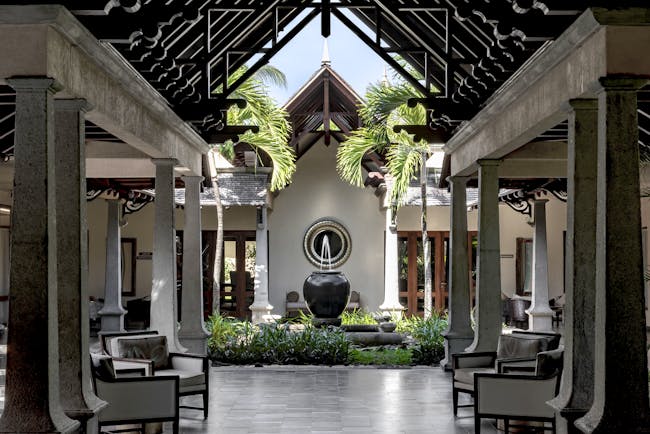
324	106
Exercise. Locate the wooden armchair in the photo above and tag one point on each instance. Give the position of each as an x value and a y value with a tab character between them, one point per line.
151	350
520	397
134	399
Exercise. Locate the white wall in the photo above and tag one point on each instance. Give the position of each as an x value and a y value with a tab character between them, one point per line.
317	192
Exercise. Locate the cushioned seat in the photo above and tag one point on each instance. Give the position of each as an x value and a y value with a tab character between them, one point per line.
186	379
466	375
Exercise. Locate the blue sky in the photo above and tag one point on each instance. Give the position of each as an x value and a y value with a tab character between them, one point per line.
350	57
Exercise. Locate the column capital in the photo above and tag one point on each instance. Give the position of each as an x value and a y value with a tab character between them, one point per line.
622	83
488	162
72	104
192	178
540	201
34	84
458	180
164	161
581	104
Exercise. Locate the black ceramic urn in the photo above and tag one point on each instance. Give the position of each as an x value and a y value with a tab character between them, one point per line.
327	293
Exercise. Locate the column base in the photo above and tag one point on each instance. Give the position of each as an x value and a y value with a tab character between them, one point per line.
540	321
394	309
605	424
60	425
260	313
454	344
195	344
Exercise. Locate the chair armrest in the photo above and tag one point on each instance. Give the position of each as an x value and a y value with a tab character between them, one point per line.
123	365
521	364
138	398
480	359
189	362
514	394
131	372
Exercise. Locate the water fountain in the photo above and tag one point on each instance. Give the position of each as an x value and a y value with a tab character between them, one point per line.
326	292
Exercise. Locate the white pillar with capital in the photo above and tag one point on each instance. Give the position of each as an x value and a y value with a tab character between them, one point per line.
192	334
112	313
164	306
391	304
540	315
261	308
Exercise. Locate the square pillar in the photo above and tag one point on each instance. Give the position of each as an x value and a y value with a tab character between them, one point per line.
488	282
620	403
33	398
78	400
459	333
112	313
192	333
164	305
391	304
261	306
540	315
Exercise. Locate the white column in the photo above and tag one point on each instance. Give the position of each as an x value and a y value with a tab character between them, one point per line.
391	304
540	315
112	313
620	401
33	400
459	333
192	333
164	306
78	400
261	306
577	384
488	282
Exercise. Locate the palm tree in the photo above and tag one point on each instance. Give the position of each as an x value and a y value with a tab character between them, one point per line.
386	106
272	139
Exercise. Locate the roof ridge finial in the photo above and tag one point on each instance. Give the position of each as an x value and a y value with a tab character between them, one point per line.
325	60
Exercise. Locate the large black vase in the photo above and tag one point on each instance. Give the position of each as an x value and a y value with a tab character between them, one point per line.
326	293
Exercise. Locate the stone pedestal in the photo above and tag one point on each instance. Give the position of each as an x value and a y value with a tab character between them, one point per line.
540	315
459	333
33	398
78	400
391	305
488	282
577	384
261	307
164	306
192	334
620	402
112	313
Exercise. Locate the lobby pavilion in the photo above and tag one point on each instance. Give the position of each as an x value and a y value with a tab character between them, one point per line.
112	98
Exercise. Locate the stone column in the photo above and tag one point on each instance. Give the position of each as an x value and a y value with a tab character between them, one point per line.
112	313
540	315
192	333
32	392
391	304
164	306
577	384
459	333
488	282
261	305
78	400
620	401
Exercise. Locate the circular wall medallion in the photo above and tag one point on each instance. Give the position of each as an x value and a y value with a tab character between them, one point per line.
339	241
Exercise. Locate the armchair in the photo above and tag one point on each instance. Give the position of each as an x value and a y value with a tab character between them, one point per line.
519	396
516	351
150	349
133	399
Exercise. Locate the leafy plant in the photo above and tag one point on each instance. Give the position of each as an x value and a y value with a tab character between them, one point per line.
427	333
358	316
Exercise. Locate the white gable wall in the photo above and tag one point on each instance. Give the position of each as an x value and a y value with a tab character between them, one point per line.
317	192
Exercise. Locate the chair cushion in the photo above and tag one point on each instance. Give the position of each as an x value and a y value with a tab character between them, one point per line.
146	347
524	345
549	362
466	375
102	366
185	378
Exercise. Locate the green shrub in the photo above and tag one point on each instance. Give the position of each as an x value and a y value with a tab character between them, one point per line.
357	316
276	344
429	342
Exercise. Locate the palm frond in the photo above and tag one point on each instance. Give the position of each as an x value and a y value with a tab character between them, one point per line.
350	155
404	159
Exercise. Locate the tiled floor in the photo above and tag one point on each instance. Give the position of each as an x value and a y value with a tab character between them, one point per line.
302	400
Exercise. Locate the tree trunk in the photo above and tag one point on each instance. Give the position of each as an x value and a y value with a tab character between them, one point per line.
426	246
218	254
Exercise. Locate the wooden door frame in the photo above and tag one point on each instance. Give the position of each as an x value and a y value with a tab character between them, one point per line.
238	287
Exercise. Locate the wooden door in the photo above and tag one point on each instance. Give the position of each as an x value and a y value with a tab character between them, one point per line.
238	270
